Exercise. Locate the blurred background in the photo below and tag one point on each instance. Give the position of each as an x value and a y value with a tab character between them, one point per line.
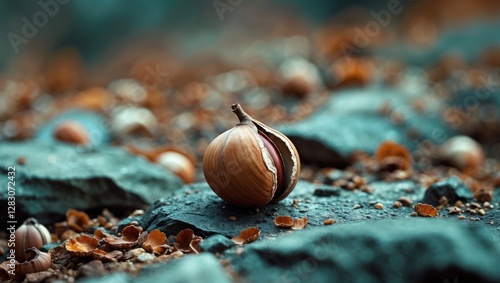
164	72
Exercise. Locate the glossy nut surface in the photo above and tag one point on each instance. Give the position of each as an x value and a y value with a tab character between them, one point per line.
251	164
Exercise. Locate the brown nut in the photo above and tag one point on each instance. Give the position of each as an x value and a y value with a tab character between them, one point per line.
251	164
71	132
179	163
462	153
30	235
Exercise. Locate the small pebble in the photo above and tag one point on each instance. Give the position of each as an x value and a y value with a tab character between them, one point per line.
413	214
367	189
397	204
405	201
475	205
232	218
356	206
379	206
145	257
461	217
482	212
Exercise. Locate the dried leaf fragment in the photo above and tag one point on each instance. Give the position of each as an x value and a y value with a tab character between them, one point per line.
155	238
283	221
81	246
77	220
247	236
426	210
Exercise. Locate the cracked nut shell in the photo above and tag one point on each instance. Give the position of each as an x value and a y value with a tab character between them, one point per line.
251	164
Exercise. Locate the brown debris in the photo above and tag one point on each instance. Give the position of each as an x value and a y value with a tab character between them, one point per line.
37	261
129	238
288	222
426	210
77	220
392	156
155	241
329	221
299	223
104	256
247	236
81	246
283	221
484	194
187	242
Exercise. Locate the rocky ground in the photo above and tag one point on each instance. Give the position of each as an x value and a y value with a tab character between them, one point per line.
399	152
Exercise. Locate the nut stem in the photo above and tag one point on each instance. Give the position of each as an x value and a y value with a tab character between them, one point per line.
242	115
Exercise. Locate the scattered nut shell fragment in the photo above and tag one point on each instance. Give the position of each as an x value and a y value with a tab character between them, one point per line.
81	246
37	261
299	223
288	222
329	221
379	206
105	256
426	210
187	242
247	236
77	220
99	234
129	238
4	271
283	221
155	239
